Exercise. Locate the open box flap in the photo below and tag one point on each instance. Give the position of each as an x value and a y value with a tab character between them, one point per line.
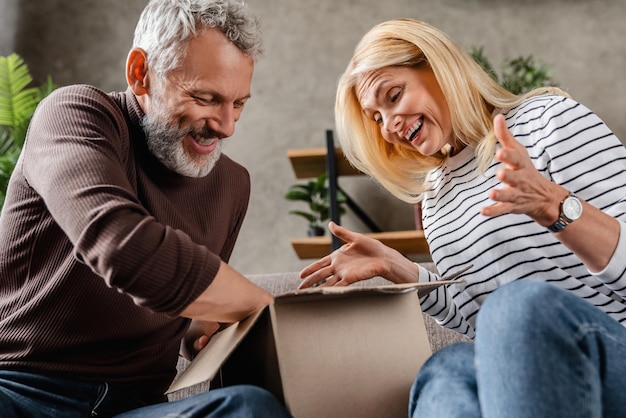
216	352
422	288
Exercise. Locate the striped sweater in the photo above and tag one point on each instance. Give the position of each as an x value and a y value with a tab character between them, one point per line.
570	146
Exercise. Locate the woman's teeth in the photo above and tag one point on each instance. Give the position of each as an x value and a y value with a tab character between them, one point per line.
415	129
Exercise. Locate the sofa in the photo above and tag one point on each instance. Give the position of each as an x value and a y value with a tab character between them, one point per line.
278	283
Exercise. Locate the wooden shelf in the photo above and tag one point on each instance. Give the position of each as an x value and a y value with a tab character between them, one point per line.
406	242
311	162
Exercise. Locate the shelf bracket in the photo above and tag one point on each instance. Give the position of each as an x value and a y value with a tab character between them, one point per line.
331	170
333	187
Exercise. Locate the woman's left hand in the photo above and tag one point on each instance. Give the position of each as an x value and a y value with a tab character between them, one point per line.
524	189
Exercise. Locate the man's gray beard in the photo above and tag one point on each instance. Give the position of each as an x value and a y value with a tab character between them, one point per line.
166	145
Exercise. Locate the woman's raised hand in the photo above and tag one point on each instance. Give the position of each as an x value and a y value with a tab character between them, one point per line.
524	189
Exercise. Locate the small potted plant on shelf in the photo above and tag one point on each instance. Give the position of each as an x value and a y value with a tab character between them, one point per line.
315	193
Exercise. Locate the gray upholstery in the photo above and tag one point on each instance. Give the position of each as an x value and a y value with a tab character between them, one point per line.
277	283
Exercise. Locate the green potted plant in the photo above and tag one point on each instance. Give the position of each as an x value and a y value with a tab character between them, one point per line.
18	101
315	193
519	75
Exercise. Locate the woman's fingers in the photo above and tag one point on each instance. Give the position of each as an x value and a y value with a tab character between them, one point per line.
505	137
315	277
315	266
343	233
357	259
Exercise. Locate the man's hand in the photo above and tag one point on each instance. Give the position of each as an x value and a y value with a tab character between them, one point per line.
197	337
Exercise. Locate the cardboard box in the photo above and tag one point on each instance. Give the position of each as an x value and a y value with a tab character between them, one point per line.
325	352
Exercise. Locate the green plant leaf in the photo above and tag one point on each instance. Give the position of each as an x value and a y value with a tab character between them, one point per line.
519	75
18	102
315	192
479	56
6	143
319	184
7	164
341	197
47	87
301	195
309	217
522	74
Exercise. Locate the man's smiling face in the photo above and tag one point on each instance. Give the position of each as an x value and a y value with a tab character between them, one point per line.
197	105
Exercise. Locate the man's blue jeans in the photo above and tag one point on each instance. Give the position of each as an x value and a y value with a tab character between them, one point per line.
35	395
540	351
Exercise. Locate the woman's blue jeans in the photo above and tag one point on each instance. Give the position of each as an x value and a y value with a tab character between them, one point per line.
36	395
540	351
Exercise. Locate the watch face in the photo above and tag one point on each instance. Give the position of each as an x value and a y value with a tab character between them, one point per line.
572	208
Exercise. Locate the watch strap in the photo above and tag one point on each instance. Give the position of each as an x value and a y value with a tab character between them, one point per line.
559	225
563	220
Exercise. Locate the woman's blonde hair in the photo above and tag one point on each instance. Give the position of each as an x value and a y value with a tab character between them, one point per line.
472	95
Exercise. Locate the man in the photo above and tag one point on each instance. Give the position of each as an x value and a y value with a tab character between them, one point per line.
118	223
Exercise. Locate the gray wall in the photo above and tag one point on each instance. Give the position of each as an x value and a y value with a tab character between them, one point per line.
308	44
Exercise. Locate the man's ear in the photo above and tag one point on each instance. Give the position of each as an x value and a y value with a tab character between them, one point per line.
137	71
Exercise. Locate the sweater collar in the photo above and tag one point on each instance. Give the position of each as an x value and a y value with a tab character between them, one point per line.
456	161
135	112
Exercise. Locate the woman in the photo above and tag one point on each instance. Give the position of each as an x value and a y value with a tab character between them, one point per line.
527	190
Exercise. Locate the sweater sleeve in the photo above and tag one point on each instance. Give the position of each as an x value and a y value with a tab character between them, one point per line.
584	156
76	159
614	274
438	304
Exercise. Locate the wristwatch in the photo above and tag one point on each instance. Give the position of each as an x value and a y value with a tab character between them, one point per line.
570	209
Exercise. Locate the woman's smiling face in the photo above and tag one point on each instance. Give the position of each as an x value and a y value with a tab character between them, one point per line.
409	107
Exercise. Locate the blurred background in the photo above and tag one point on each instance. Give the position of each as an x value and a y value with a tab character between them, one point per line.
308	44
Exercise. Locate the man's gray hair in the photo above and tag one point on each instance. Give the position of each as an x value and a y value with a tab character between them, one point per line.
165	26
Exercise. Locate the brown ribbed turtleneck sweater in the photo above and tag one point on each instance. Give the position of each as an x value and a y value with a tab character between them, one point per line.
101	246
